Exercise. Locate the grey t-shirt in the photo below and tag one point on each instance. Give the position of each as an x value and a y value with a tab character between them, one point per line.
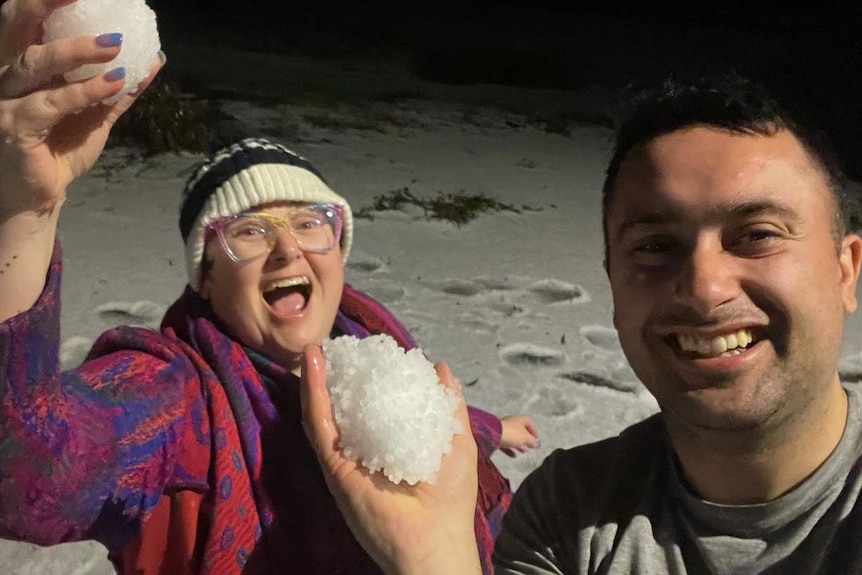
619	507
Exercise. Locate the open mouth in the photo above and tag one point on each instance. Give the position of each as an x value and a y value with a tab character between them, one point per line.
289	296
725	345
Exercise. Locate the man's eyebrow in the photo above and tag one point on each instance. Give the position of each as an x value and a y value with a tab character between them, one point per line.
736	210
657	217
748	209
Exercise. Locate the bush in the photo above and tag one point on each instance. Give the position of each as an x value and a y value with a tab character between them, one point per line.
165	120
454	208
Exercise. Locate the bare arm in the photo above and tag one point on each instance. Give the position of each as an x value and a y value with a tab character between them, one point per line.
408	530
51	132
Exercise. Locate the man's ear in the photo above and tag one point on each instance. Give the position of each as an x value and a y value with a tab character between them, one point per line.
849	262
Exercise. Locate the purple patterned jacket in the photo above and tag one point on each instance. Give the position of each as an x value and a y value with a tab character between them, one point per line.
180	450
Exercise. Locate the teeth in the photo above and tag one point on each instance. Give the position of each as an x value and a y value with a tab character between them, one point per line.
287	282
732	342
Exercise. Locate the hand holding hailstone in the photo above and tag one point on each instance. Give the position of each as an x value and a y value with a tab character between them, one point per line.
50	133
421	528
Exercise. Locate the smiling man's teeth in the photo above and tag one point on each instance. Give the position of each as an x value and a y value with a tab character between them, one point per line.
732	342
287	282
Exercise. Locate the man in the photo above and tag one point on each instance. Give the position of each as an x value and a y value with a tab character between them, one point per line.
732	269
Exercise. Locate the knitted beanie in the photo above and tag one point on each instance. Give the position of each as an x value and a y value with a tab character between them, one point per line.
238	177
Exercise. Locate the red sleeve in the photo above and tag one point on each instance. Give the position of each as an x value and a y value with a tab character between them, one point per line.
84	454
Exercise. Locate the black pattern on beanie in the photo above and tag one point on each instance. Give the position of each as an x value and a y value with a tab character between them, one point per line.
226	163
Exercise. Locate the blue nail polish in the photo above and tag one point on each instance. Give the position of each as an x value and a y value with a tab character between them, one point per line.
114	75
109	40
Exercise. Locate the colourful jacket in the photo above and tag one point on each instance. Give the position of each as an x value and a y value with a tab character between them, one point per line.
180	450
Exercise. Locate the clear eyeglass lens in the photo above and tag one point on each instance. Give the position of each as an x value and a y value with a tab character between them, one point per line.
252	235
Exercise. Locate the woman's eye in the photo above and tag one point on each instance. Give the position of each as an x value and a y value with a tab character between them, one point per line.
306	222
248	229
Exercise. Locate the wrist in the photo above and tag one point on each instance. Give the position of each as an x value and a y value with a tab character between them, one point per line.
459	554
25	222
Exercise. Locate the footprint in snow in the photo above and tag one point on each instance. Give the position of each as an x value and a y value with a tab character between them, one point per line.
457	287
73	351
524	354
504	307
478	323
365	264
553	402
597	380
386	292
603	337
546	292
551	291
146	313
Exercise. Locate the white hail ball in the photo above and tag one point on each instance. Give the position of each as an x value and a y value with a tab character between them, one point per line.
392	412
133	18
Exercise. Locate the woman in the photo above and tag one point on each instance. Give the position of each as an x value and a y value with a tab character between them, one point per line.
181	450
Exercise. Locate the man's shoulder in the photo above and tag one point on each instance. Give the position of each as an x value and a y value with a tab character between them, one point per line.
637	453
607	482
633	443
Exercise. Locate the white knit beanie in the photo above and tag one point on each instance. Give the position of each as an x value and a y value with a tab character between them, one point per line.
243	175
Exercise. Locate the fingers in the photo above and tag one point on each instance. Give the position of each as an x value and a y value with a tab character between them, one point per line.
21	24
29	120
37	64
316	410
450	382
464	440
126	102
531	427
444	374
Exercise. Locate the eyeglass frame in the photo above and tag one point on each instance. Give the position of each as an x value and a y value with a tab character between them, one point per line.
217	226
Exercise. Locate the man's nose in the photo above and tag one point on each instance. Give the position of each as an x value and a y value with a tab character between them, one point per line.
707	278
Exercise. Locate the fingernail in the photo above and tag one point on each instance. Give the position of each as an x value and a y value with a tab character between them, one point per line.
109	40
162	58
114	75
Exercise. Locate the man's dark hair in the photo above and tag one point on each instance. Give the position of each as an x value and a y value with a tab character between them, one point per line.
726	101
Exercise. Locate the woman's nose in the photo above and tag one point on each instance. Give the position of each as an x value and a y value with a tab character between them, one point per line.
285	245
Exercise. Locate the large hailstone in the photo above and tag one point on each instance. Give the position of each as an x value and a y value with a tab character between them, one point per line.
133	18
392	412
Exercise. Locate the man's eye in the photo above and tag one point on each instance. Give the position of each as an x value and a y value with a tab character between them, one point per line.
759	235
756	241
654	246
655	251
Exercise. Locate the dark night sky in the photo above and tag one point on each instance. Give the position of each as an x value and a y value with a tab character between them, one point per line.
807	51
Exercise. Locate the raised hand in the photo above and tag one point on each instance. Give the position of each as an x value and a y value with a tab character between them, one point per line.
419	529
51	131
